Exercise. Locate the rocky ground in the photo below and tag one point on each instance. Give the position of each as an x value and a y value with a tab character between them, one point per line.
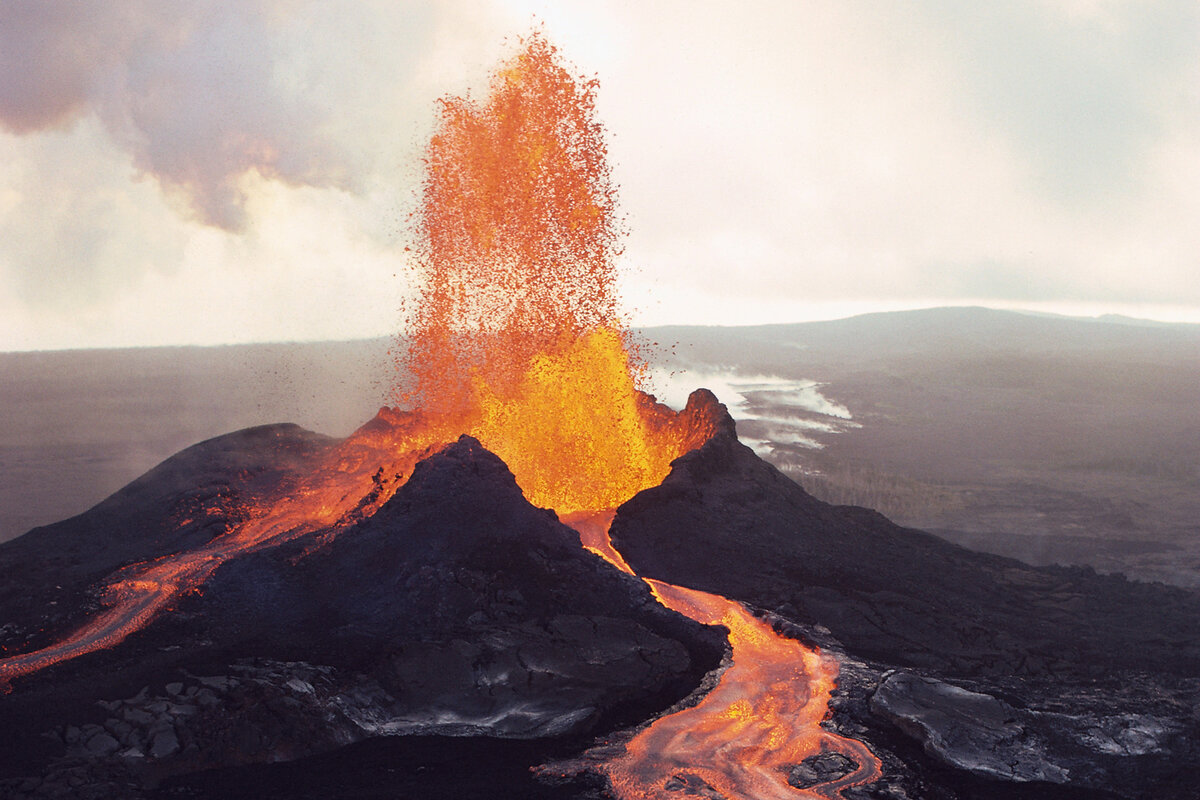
970	675
459	636
458	609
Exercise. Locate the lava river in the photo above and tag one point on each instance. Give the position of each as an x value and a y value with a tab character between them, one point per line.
762	718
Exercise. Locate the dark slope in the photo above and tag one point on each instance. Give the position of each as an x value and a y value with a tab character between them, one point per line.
459	556
181	504
458	608
726	521
1016	682
1051	440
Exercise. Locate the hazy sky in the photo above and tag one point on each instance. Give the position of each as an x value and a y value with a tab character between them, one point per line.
204	171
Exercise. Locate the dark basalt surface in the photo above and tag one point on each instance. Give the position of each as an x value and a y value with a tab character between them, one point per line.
475	624
464	601
458	609
1018	677
728	522
183	503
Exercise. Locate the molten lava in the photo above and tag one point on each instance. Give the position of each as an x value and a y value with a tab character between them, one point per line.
763	717
516	339
516	331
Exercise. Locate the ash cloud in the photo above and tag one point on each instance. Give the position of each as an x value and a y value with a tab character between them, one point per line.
142	136
201	94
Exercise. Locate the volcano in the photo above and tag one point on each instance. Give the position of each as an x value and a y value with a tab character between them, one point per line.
528	578
458	610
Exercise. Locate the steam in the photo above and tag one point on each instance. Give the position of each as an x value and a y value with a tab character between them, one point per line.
232	119
772	411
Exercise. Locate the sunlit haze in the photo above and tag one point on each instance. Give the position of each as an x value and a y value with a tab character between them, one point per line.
226	171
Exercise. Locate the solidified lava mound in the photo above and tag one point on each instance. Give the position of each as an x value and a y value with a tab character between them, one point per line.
183	503
458	612
725	521
476	610
456	609
1026	682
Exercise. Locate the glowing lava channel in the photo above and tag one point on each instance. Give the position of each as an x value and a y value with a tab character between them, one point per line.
762	718
743	738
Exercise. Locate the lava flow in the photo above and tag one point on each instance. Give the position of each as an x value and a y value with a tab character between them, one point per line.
516	339
762	718
743	738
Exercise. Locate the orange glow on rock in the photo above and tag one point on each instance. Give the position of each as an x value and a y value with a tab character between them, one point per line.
353	481
516	341
741	740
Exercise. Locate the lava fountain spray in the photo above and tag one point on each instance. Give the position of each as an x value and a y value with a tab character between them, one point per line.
515	340
517	331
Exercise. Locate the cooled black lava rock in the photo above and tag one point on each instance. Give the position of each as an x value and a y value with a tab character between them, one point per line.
725	521
969	730
820	769
476	609
1080	685
458	608
181	504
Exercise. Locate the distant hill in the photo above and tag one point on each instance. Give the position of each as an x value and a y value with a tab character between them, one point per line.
1046	438
1050	439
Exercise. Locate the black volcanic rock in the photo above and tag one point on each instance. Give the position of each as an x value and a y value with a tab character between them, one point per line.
725	521
1020	682
458	608
969	730
470	604
181	504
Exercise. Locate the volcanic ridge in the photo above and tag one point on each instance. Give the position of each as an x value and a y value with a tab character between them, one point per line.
460	610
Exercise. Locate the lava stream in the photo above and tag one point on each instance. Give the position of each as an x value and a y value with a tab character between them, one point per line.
346	483
762	718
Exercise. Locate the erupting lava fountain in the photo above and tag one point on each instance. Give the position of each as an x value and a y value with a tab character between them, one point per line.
517	339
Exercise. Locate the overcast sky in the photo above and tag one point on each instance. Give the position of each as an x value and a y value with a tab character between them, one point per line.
208	171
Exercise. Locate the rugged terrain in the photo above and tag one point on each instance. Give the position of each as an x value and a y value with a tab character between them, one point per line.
460	610
1052	440
457	609
1048	439
1036	680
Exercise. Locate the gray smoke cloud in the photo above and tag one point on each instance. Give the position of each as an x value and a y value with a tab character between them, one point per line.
163	154
201	93
110	109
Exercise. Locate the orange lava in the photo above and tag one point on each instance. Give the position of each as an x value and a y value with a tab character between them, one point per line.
763	717
517	331
353	481
745	735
